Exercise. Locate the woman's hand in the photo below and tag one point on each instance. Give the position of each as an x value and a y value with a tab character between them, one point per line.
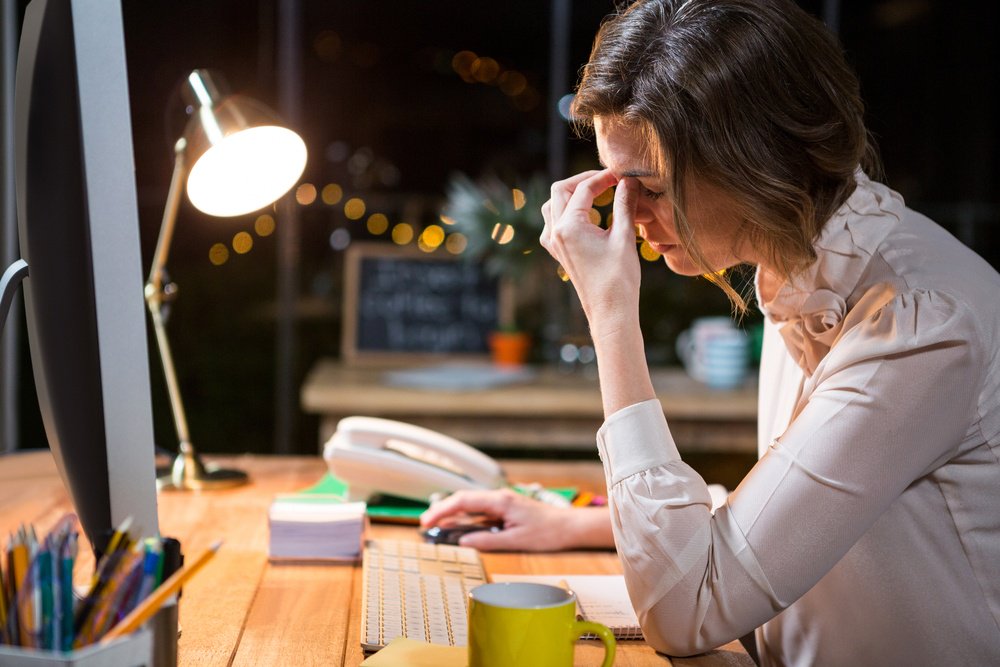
528	524
602	263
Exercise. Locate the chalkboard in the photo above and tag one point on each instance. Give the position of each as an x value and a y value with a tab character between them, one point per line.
401	304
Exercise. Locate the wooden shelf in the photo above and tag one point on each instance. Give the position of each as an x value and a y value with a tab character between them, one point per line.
554	411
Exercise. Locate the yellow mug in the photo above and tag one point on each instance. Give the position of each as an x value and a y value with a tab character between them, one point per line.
528	625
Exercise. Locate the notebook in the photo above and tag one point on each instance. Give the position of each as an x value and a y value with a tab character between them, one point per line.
601	598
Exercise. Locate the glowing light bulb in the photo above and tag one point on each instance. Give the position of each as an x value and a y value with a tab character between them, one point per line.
246	171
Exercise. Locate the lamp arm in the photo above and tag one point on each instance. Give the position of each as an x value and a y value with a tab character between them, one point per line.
154	294
170	375
155	282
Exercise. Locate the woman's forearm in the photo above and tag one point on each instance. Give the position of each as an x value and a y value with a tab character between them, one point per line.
589	527
621	362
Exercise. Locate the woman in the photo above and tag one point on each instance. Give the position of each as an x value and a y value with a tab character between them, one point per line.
869	530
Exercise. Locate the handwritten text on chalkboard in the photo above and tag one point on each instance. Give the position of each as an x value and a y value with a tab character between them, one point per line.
424	305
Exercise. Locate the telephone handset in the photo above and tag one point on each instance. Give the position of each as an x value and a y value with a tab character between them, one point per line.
375	455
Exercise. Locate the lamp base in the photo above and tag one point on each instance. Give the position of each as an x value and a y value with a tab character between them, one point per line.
188	473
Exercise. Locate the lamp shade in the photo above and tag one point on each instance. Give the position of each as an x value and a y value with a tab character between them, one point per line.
240	158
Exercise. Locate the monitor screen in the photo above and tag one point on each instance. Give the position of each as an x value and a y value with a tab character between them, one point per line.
79	234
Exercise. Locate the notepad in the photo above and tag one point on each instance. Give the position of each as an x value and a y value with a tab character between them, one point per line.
314	528
403	652
601	598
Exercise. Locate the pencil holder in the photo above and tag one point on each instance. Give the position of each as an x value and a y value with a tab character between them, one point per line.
163	625
134	650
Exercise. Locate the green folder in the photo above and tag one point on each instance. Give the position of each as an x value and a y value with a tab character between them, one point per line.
383	507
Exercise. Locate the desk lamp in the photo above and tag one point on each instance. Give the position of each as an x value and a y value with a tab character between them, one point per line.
235	159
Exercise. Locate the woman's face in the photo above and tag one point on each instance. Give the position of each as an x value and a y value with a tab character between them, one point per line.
712	215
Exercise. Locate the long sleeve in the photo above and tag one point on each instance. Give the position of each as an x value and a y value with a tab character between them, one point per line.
894	399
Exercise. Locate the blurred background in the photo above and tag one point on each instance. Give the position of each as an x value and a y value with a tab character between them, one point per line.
393	99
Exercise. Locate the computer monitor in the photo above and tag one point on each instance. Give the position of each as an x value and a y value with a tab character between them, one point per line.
79	234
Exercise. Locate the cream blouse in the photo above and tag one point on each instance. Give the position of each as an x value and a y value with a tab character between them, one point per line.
868	533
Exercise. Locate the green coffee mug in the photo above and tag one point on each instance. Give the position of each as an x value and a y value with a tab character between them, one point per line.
528	625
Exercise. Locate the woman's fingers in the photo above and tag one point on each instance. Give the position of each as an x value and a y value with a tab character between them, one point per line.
516	538
586	190
547	228
493	503
572	200
626	196
562	191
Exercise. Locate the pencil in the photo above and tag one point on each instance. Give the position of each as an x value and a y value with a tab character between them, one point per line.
563	584
158	597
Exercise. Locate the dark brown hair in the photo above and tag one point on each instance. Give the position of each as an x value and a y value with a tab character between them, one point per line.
754	97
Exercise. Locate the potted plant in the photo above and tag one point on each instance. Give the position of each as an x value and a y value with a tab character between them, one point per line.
501	224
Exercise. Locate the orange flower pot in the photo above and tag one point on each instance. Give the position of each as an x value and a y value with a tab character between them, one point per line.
509	348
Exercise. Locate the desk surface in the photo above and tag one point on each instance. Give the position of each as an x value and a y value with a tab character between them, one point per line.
241	610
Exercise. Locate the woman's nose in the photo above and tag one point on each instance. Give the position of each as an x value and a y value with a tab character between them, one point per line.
642	215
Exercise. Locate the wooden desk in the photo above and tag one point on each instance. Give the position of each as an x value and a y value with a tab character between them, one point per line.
241	610
556	411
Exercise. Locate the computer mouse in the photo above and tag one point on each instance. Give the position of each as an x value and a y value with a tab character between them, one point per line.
451	533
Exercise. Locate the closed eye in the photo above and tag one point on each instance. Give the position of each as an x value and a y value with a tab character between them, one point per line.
650	194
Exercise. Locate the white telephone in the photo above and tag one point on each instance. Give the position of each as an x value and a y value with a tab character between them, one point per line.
384	456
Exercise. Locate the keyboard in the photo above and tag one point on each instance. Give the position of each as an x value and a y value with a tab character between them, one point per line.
417	590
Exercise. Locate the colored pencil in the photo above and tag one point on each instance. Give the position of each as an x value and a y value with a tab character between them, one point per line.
158	597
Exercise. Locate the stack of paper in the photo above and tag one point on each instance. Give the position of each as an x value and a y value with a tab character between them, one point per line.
315	527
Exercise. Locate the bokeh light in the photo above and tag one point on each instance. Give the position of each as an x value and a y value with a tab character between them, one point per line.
512	83
432	236
485	70
605	197
242	243
354	208
565	106
377	223
647	252
218	254
503	233
462	64
264	224
402	233
305	194
519	199
527	99
332	194
456	243
340	239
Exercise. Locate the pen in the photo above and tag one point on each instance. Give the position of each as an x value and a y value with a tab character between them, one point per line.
563	584
102	614
3	604
151	568
20	573
44	596
158	597
120	533
103	572
67	558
